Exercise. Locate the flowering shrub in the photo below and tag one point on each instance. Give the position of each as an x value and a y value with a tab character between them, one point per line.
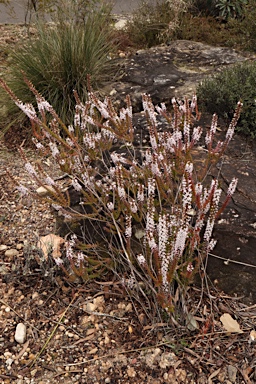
150	205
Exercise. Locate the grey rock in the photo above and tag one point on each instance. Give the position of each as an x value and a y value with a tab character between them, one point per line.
171	71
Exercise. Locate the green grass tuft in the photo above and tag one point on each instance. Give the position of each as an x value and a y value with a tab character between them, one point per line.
59	61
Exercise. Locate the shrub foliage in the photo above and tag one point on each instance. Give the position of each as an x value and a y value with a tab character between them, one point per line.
221	93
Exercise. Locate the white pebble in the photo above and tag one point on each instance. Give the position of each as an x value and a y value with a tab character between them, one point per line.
90	307
20	333
9	362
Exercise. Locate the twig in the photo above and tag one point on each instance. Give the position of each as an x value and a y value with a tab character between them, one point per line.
114	353
53	332
21	353
65	372
16	313
106	314
233	261
8	376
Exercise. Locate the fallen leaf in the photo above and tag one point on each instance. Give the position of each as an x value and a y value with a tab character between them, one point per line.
191	322
50	243
214	374
230	324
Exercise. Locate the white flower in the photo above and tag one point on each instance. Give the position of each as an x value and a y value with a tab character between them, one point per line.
151	241
133	206
69	142
77	119
80	257
76	185
110	206
232	187
121	192
23	190
151	187
189	168
211	245
190	267
43	105
128	227
141	259
58	261
28	109
54	149
140	193
30	169
197	132
180	242
49	181
38	145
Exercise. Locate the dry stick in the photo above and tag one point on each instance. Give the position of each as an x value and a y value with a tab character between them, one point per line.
64	373
53	331
165	343
232	261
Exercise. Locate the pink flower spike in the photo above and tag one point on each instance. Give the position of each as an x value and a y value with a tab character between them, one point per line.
232	187
30	169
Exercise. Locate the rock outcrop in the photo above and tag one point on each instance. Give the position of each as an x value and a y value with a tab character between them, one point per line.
173	70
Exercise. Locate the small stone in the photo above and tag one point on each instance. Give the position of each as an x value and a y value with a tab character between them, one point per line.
90	331
7	354
120	24
131	372
45	191
90	307
19	246
69	334
9	362
99	301
3	247
20	333
167	359
113	92
11	252
232	372
129	308
33	372
93	351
